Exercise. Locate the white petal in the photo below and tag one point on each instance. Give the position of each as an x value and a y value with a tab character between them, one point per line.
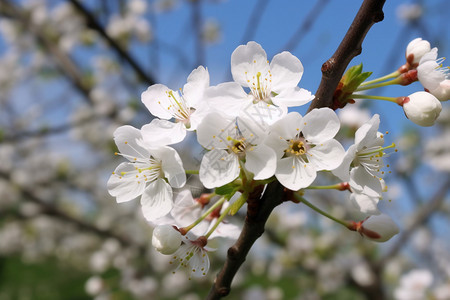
126	187
320	125
343	171
366	204
287	70
294	175
172	166
288	127
247	60
155	98
327	155
126	140
262	113
226	230
156	201
162	133
228	98
213	131
218	168
194	89
362	182
261	161
249	130
365	135
293	97
199	263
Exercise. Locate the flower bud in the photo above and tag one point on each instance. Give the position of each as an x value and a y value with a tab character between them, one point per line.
422	108
166	239
379	228
416	49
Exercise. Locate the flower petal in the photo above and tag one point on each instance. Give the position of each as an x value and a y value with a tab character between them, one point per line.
343	171
157	101
362	182
262	113
156	201
294	174
196	85
162	133
213	131
172	166
228	98
366	204
261	161
126	138
218	168
248	60
125	187
327	155
320	125
287	70
293	97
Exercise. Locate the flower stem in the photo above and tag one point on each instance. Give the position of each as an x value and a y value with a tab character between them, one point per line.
397	80
359	96
383	78
209	211
191	171
309	204
219	220
338	186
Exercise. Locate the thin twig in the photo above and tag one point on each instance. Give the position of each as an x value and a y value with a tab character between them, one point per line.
93	23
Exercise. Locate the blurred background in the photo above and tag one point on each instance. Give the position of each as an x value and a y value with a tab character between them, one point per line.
72	71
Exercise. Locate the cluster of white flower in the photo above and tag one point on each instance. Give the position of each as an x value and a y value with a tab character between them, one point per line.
250	140
423	108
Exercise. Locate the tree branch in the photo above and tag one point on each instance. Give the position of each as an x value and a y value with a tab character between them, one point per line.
371	12
253	228
92	23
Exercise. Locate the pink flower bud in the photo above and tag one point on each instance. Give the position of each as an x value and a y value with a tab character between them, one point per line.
166	239
422	108
416	49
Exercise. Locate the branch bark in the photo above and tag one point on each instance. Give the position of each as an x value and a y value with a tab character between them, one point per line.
370	13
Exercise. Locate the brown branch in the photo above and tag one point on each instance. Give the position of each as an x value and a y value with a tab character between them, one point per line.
371	12
92	23
253	228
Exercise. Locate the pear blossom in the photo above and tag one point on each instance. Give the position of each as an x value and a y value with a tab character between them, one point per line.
166	239
422	108
362	164
273	87
433	76
415	50
231	141
150	173
305	145
186	107
192	255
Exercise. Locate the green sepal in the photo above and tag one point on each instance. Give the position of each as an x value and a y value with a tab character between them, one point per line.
238	204
225	189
